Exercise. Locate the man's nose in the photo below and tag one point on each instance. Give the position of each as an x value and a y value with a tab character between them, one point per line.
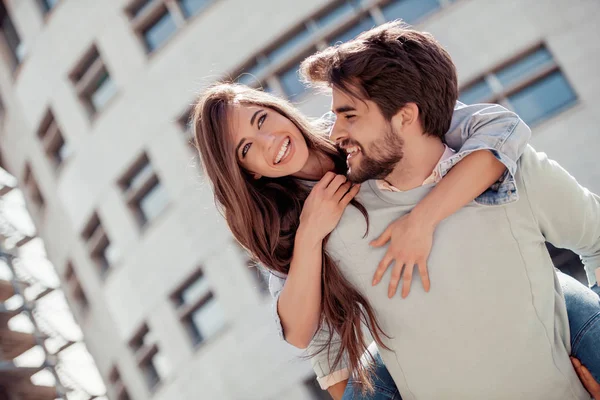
337	133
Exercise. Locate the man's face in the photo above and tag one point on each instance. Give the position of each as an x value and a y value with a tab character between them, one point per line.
373	146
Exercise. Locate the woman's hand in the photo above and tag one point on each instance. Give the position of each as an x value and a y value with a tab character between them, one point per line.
586	378
410	240
325	204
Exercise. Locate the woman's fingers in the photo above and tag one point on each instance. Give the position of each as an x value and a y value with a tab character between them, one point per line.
350	194
335	184
325	180
341	192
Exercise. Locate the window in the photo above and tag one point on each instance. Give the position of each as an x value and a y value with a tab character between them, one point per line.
32	189
363	25
290	82
13	41
143	191
410	11
532	85
159	30
47	5
92	82
156	21
52	140
334	15
287	47
339	21
118	387
102	252
75	289
192	7
151	362
198	309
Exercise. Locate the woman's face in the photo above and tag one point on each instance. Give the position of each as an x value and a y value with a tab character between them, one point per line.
266	143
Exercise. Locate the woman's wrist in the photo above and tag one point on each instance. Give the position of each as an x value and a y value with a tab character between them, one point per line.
305	236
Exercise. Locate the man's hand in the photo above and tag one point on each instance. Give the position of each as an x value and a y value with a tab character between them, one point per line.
410	243
586	378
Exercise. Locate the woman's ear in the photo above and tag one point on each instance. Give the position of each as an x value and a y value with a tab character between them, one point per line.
257	176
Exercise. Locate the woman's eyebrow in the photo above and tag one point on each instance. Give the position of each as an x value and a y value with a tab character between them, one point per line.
254	116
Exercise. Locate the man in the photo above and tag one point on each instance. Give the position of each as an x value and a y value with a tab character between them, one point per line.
496	325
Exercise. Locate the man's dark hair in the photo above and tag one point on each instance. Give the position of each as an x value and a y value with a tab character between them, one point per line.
391	65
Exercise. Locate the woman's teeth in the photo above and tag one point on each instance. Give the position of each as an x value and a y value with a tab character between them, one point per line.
282	151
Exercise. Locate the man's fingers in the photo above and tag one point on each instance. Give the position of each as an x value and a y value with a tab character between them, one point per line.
407	279
382	267
395	279
424	273
383	238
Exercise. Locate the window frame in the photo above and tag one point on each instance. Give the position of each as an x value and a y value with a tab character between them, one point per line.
185	311
500	94
87	77
134	195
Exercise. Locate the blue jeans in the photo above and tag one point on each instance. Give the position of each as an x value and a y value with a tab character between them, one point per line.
583	308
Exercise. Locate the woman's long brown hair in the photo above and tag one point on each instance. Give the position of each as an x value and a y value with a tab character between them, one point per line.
264	214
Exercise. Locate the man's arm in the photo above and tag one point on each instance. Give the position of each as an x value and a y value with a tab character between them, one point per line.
567	213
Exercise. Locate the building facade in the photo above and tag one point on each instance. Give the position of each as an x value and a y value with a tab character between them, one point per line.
95	100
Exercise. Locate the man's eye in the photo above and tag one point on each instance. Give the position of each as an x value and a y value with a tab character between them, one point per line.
349	116
261	120
245	149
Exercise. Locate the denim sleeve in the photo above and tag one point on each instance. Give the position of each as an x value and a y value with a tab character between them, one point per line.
488	127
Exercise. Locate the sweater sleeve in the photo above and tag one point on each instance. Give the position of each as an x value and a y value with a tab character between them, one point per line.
567	213
322	361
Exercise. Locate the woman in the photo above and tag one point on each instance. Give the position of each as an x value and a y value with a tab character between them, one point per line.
261	156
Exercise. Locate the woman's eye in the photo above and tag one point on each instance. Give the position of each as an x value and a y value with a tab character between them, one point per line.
261	120
245	149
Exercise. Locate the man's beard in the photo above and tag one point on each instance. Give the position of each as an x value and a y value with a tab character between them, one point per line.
383	156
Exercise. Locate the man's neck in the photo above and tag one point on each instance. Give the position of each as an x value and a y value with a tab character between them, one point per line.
420	159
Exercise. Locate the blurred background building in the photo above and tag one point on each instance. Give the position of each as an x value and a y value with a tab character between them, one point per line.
94	110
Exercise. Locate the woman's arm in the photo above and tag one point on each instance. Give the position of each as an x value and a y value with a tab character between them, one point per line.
299	304
469	173
337	391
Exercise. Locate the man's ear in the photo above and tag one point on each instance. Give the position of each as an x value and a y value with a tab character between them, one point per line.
409	114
